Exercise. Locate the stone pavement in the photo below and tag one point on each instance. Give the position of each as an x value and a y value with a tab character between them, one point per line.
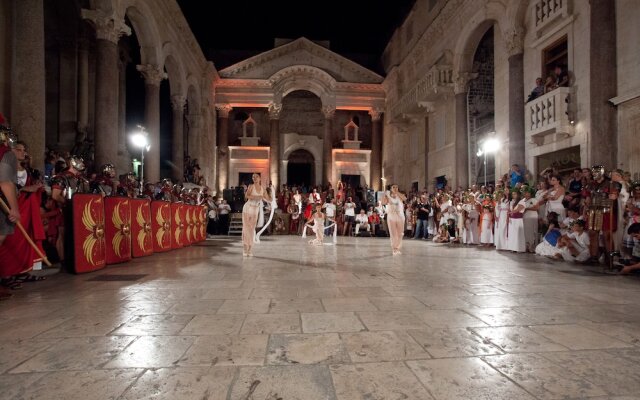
346	321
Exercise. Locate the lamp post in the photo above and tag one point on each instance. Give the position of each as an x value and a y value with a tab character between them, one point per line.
141	139
489	145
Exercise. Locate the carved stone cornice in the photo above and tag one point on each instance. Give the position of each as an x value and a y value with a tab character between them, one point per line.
223	110
329	111
514	41
274	110
152	74
461	82
108	26
178	102
375	114
302	43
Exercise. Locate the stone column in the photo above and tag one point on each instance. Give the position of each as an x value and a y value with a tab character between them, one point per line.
153	75
327	144
83	90
274	143
376	150
109	28
67	92
515	50
28	77
603	138
223	146
123	155
177	149
194	137
462	134
429	108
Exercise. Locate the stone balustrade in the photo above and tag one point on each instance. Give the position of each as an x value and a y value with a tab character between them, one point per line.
546	11
549	114
437	80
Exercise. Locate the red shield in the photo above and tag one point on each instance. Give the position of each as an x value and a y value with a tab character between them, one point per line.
118	229
88	233
177	226
202	217
189	218
161	225
141	235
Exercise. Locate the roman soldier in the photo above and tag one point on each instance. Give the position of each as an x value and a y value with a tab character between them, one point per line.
70	181
602	209
165	190
104	183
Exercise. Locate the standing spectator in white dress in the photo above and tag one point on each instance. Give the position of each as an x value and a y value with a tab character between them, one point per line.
515	239
486	222
501	220
330	213
530	218
349	216
555	196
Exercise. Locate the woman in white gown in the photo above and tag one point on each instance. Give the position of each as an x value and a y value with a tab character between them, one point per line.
394	200
530	219
515	232
251	211
501	220
555	196
547	247
486	221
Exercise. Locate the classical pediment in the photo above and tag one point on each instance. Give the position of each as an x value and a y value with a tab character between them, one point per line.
301	51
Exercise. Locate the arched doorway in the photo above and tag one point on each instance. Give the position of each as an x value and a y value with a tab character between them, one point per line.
481	111
301	168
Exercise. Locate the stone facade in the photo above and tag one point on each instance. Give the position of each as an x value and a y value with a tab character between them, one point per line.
302	92
589	123
80	54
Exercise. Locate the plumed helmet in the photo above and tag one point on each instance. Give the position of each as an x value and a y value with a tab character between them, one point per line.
130	176
6	135
598	169
77	162
166	183
108	170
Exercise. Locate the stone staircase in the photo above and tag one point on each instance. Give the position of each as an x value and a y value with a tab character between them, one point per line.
235	224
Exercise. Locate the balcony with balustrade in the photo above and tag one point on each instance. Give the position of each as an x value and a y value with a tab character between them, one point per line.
437	81
550	114
545	12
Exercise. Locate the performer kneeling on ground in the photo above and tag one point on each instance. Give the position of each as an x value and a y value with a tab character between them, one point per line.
251	211
394	200
318	225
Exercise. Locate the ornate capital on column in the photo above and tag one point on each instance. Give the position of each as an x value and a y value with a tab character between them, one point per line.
223	110
428	106
461	83
514	41
329	111
108	26
274	110
375	114
152	74
178	102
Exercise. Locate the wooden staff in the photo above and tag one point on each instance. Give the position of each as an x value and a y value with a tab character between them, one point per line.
5	208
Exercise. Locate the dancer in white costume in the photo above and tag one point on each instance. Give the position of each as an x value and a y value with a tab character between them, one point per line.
251	211
318	226
395	217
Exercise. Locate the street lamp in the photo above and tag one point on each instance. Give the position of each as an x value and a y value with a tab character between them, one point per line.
140	139
489	145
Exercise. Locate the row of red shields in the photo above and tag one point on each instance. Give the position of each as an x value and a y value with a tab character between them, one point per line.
113	230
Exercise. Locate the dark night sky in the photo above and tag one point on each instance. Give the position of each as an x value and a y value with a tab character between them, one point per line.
230	31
